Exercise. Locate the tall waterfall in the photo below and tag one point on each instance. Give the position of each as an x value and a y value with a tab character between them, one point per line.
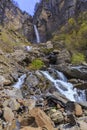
37	34
65	88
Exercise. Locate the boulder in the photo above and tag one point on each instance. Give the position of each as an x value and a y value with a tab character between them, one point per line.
4	81
41	118
13	104
32	81
79	72
30	103
83	125
31	128
78	110
56	116
8	114
49	45
63	57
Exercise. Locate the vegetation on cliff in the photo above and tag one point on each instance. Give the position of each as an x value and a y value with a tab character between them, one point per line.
74	36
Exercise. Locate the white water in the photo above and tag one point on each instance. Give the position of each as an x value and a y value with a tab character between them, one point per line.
20	82
66	88
61	76
37	34
28	48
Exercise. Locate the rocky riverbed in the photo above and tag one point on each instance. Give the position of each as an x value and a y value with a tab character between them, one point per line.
30	101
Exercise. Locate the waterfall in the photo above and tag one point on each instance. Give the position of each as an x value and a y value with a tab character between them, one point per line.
65	88
20	82
61	76
37	34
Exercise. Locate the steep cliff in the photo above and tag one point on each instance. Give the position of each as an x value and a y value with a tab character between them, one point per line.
13	18
51	14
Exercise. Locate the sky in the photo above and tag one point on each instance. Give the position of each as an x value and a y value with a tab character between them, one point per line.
27	5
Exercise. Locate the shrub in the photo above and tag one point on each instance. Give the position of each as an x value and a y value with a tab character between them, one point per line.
72	22
36	64
78	58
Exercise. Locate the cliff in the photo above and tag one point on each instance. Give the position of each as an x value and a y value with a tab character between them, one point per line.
13	18
51	14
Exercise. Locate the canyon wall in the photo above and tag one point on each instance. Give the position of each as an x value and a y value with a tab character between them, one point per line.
12	17
51	14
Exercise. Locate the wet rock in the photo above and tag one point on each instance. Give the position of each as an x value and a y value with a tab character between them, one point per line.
32	81
78	110
8	114
41	118
81	86
79	72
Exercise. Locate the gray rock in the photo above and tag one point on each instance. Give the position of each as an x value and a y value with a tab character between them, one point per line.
32	81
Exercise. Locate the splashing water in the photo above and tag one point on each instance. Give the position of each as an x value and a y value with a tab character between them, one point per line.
20	82
66	88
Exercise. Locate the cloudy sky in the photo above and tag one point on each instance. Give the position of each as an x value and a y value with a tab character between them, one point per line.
27	5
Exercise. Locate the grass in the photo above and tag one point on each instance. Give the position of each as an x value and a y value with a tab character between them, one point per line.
36	64
10	38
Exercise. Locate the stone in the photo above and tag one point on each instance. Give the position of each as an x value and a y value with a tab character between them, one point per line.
79	71
30	103
13	104
41	118
63	57
14	93
8	114
78	110
31	128
49	45
56	116
83	125
32	81
4	81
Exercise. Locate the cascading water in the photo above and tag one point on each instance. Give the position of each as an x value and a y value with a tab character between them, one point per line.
20	82
37	34
66	88
61	76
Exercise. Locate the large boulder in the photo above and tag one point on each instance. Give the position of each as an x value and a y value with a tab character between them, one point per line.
77	72
32	81
41	118
8	114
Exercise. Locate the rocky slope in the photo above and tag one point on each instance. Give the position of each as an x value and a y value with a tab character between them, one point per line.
33	91
51	14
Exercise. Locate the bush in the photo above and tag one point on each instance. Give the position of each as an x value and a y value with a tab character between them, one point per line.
36	64
78	58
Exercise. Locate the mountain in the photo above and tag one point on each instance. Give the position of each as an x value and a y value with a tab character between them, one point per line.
51	14
15	26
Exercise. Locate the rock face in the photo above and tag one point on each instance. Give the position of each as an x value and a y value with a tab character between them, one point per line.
50	14
12	17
